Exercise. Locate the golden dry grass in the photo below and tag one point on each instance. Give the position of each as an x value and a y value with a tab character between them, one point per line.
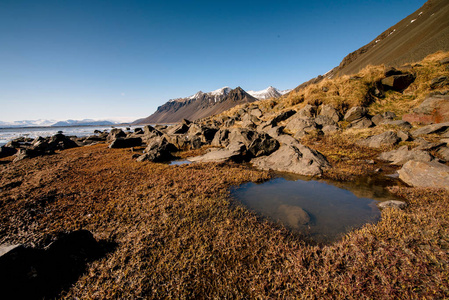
180	236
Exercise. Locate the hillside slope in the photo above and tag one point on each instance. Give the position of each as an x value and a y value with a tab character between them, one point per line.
423	32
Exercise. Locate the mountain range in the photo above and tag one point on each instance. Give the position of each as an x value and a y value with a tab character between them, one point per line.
202	104
54	123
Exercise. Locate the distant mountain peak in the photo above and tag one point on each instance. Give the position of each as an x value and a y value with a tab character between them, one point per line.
269	92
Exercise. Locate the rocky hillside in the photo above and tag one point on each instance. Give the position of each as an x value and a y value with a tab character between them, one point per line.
423	32
198	106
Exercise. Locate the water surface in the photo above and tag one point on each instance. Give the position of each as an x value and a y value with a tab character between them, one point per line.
323	211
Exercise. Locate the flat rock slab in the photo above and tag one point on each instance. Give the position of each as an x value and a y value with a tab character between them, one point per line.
425	174
293	158
232	152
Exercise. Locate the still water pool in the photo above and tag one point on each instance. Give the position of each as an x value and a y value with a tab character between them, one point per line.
323	211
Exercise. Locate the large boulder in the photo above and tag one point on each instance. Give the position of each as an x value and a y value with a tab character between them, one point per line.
178	129
235	151
398	82
425	174
242	135
294	158
403	155
434	109
158	150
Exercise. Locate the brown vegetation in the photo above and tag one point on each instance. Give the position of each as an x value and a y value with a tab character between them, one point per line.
179	235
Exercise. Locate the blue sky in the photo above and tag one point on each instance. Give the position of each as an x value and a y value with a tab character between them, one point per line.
122	59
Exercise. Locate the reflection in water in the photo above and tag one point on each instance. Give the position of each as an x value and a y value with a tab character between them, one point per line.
323	211
179	162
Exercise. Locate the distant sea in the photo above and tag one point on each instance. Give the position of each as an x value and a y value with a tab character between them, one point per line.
8	134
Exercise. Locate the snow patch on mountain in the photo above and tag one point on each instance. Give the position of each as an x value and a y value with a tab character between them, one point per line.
269	92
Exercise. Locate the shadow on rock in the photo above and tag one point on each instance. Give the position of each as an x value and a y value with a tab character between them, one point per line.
32	273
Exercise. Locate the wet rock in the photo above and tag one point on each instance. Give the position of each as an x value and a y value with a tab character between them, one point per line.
392	204
403	155
126	142
330	112
388	138
440	128
355	113
434	109
294	158
294	216
235	151
398	82
425	174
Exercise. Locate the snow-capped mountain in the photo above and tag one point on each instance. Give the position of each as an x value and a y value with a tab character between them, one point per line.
198	106
269	92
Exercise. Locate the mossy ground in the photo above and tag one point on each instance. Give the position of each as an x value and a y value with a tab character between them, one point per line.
180	236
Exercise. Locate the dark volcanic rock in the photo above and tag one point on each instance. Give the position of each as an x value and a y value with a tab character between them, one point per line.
282	117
